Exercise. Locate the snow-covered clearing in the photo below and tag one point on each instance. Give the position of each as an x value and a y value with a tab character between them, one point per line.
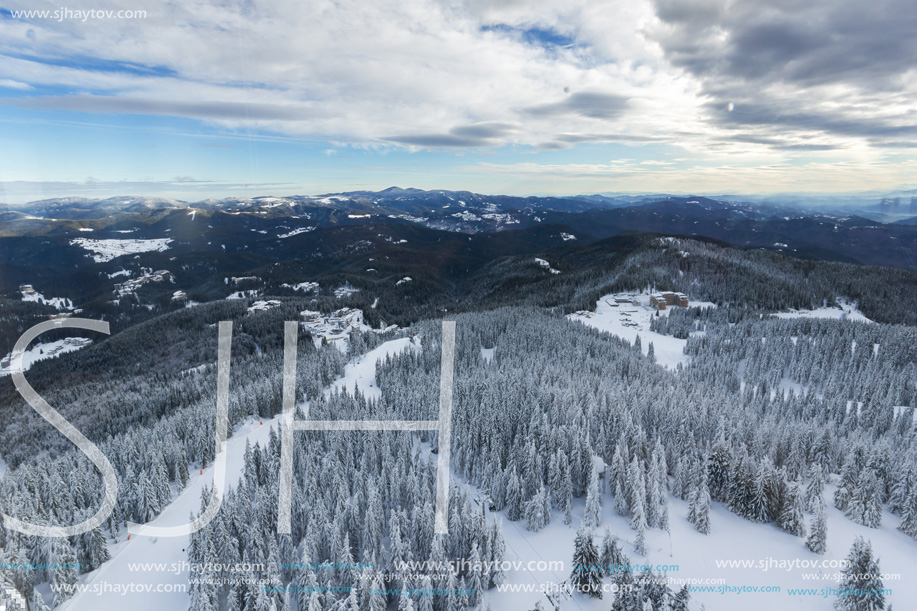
40	352
302	286
546	266
616	314
846	311
30	294
696	555
121	272
261	306
106	250
243	294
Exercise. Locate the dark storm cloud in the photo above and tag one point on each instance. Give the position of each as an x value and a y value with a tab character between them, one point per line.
593	105
740	49
476	134
841	121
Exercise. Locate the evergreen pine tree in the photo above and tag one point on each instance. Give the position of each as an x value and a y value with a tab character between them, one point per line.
818	537
816	486
909	515
791	518
681	599
535	518
586	576
593	515
699	506
861	587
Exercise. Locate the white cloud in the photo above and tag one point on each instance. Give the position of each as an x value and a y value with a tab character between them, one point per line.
363	73
11	84
474	73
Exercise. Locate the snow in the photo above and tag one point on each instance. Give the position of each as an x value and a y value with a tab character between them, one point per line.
696	556
164	549
846	311
628	321
466	216
143	550
334	328
39	352
242	294
132	285
61	303
106	250
261	306
506	219
566	237
361	373
546	266
86	229
403	281
345	291
302	286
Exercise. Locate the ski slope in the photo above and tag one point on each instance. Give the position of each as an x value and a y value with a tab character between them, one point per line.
845	311
144	550
361	372
141	550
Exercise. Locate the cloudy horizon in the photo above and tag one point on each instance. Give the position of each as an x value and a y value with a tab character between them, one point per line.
271	98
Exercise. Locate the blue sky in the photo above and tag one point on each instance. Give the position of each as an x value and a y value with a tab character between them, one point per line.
282	97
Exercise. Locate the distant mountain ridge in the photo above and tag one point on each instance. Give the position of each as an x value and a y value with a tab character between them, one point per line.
272	223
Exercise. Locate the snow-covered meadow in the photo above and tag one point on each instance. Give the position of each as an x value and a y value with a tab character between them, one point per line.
40	352
628	316
106	250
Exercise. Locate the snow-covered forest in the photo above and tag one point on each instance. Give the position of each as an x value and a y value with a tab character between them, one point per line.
772	435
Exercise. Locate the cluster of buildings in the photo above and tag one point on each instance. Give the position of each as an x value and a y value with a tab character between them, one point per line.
129	287
332	327
662	300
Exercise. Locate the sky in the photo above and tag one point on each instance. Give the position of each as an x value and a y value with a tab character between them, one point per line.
240	98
